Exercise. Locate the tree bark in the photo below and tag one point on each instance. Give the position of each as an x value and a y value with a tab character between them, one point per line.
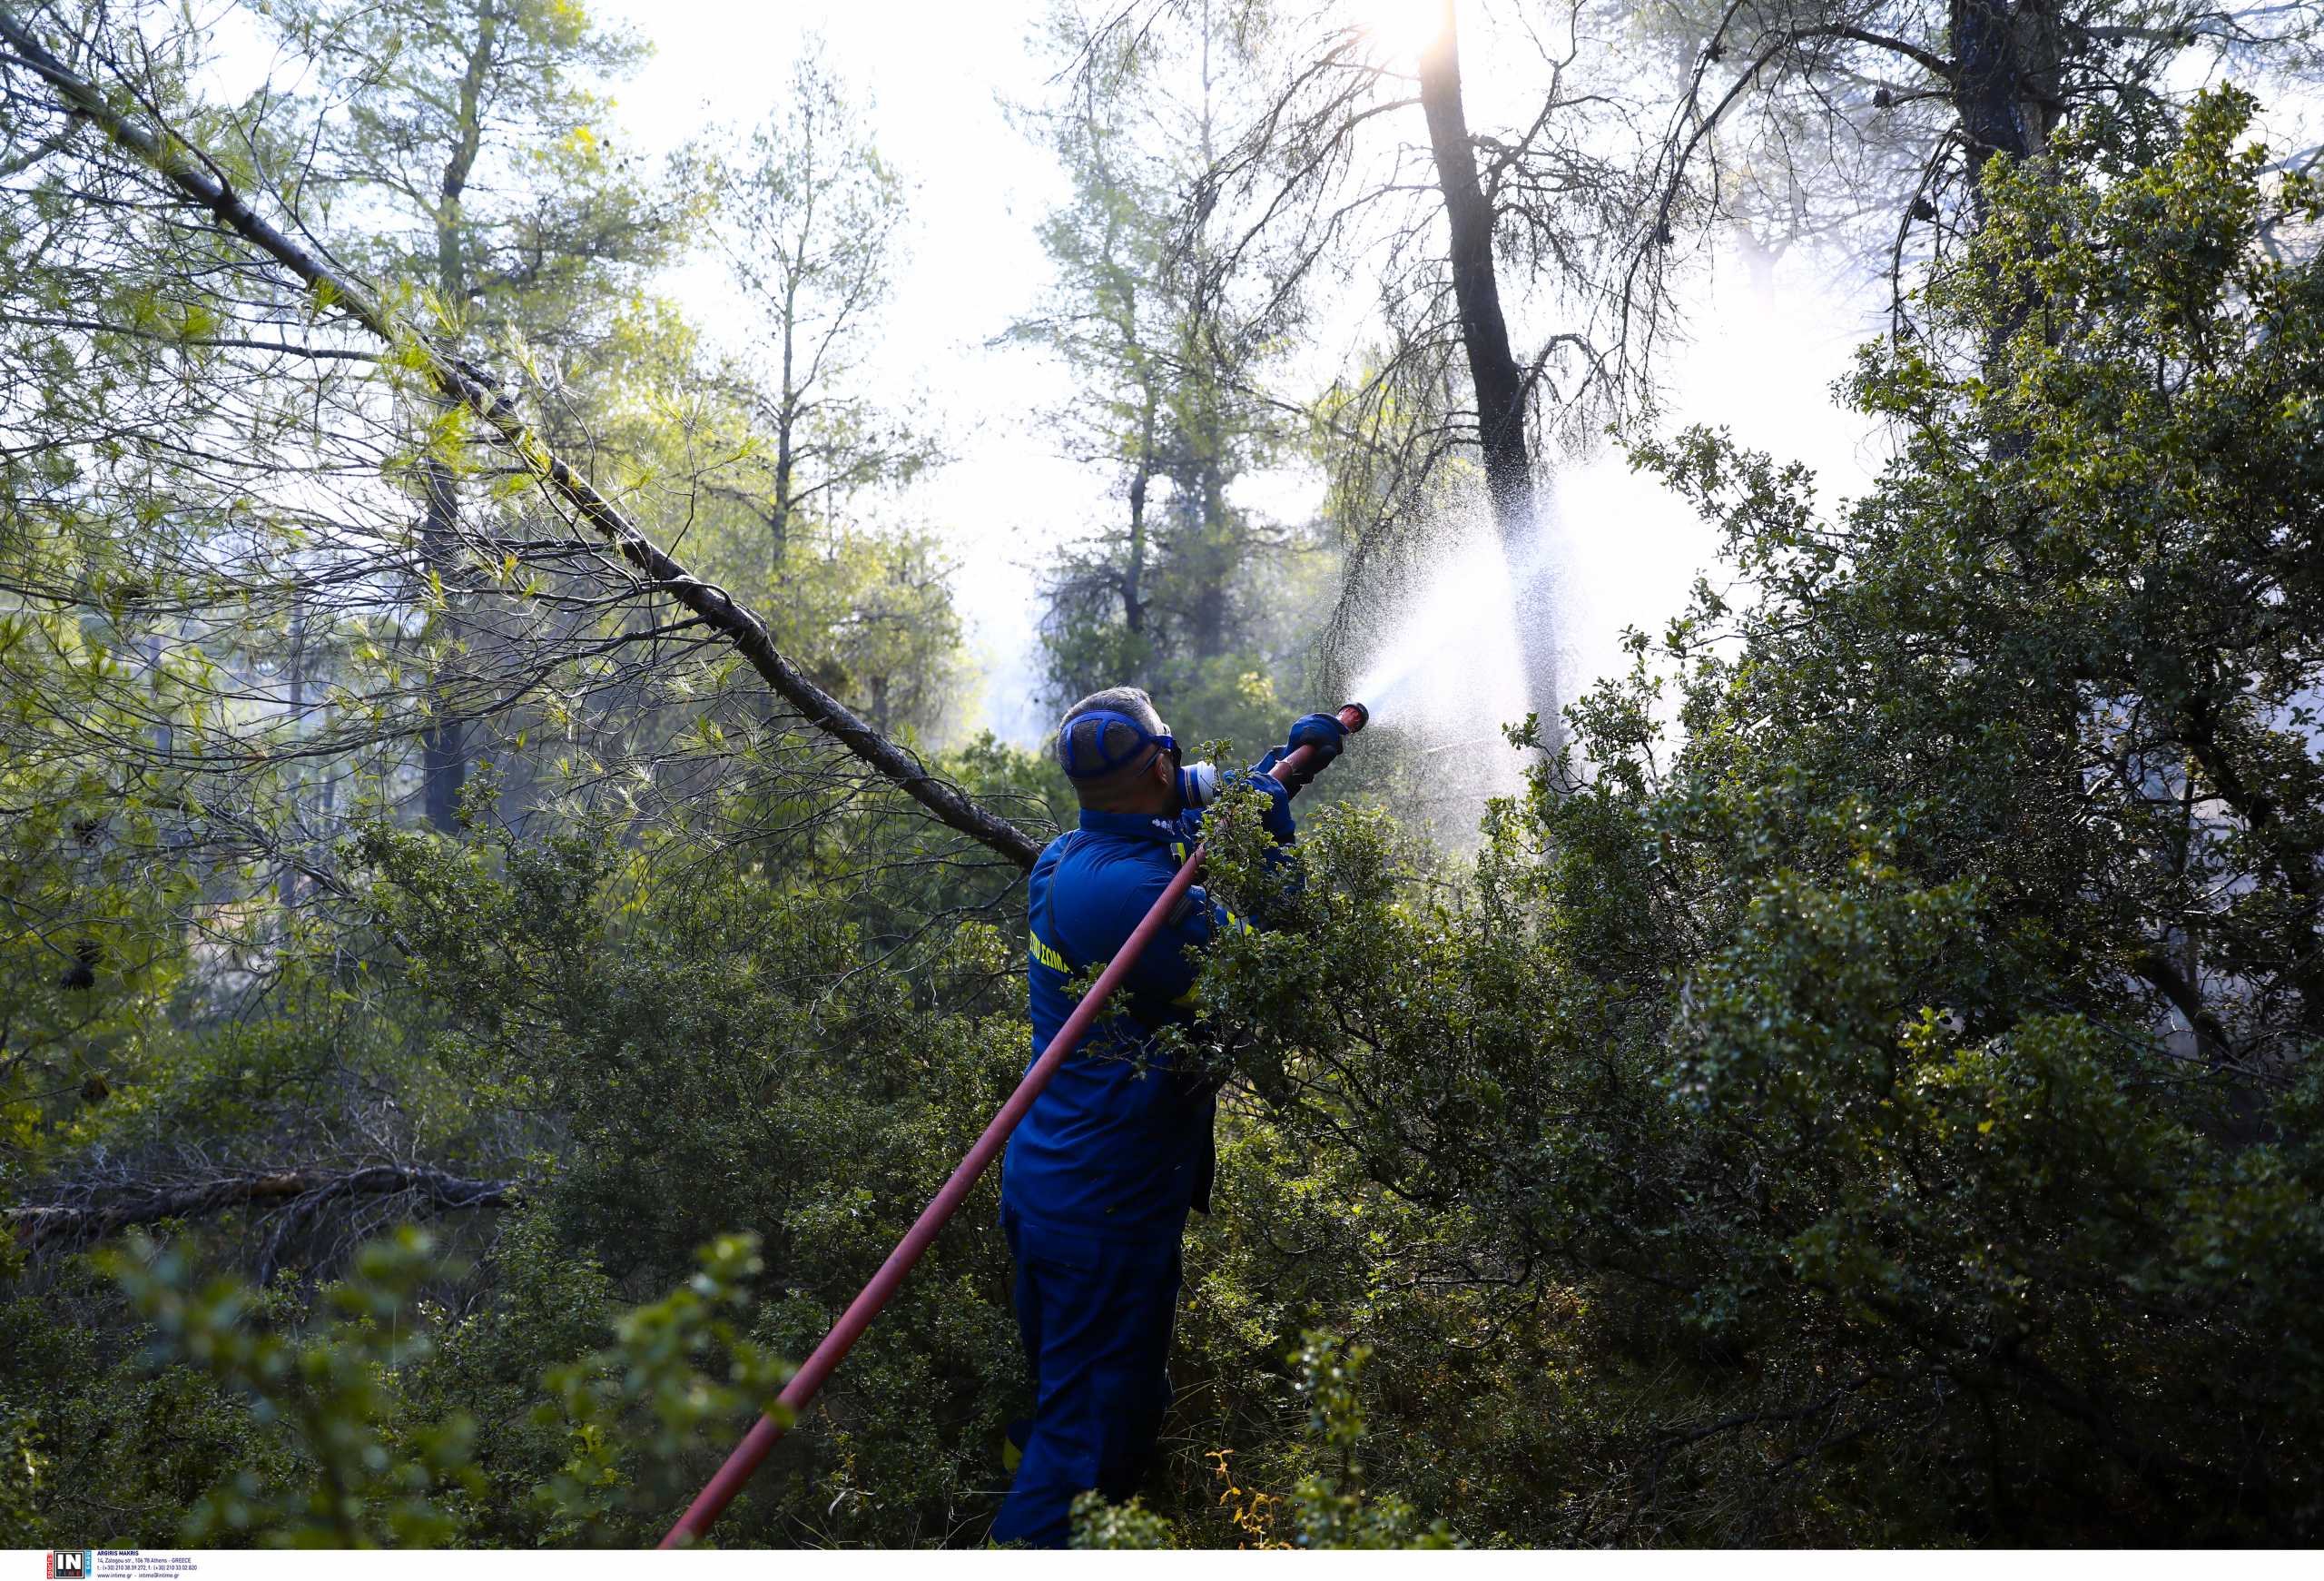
165	738
1212	553
1142	474
443	761
451	272
2006	100
785	424
1499	383
713	605
443	764
1985	94
287	879
1134	574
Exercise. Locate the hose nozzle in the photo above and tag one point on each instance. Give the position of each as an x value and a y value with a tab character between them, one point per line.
1300	768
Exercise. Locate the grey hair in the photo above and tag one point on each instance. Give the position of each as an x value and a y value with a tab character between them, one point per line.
1098	740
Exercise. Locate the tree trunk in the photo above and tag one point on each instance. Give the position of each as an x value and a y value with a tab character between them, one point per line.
164	738
1213	557
1985	94
287	878
787	416
1134	574
443	762
451	271
1142	476
2007	99
1493	375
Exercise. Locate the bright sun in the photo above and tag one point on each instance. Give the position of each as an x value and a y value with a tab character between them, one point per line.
1404	27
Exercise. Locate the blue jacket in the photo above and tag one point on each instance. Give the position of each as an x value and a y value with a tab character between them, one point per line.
1118	1142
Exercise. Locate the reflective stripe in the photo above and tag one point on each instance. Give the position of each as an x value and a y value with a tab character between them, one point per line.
1178	851
1048	957
1056	963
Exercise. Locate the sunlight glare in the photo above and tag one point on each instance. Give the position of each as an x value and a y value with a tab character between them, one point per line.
1404	28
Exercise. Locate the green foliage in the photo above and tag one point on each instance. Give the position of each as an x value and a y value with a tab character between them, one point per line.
330	1396
1099	1524
1900	1077
346	1446
144	1446
1329	1508
21	1465
648	1031
766	474
88	955
478	132
722	1030
650	1372
1868	1092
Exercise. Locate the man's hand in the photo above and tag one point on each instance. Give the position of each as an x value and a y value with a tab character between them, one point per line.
1324	732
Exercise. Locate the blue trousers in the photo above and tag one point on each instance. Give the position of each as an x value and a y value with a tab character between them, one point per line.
1096	1317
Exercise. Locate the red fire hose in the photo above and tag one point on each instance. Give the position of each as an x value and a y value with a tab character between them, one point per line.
720	1490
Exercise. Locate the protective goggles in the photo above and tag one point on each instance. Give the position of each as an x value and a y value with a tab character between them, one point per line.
1083	752
1083	755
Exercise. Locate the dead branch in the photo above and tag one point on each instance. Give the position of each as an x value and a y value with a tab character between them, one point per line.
57	1226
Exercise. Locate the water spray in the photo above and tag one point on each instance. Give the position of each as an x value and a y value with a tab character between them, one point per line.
1293	772
1436	640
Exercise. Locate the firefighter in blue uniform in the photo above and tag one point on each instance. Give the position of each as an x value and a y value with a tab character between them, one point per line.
1099	1175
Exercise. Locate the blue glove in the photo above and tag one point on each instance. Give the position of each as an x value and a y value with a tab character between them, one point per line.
1324	732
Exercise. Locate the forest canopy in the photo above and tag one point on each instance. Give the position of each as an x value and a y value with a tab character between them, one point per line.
505	914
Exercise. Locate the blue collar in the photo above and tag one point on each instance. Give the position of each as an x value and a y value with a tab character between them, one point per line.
1140	825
